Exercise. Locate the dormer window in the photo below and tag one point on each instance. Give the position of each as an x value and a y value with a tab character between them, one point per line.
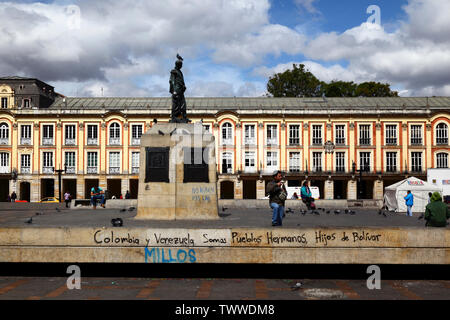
26	103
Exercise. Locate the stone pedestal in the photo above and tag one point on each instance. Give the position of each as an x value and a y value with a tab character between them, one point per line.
177	179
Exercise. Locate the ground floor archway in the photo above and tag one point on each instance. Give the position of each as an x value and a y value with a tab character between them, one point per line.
25	191
47	188
4	190
249	189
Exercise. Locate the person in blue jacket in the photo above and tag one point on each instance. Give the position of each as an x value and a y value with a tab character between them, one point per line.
306	195
409	203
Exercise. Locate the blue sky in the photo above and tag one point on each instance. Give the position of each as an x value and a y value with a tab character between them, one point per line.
231	47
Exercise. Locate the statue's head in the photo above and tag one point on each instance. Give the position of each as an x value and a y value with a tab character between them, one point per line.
178	64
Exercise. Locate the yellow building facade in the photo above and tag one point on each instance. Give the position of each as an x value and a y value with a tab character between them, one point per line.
349	147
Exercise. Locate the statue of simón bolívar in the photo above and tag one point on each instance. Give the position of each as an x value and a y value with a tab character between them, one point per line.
177	89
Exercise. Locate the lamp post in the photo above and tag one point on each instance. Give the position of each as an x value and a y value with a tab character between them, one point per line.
60	171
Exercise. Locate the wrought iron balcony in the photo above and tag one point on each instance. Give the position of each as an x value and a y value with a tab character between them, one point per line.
114	170
416	141
391	141
5	170
135	170
92	141
272	141
294	142
25	170
364	142
317	141
135	141
249	141
114	141
4	141
47	141
70	170
92	170
70	142
442	141
227	142
25	141
49	170
340	141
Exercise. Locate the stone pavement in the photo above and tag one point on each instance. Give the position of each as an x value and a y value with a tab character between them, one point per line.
26	288
49	216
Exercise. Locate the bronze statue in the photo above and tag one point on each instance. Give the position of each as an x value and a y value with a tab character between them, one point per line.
177	89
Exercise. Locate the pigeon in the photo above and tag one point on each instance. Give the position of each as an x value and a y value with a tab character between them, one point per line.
117	222
179	57
328	211
352	212
160	133
421	217
296	286
316	213
380	211
223	209
29	221
346	211
131	209
384	215
337	211
39	213
57	209
303	212
123	210
289	210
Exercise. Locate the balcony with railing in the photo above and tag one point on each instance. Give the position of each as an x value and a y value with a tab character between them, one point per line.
340	169
114	170
70	170
135	141
416	141
4	141
48	170
365	142
5	170
391	141
294	169
70	142
135	170
340	141
442	141
227	142
92	170
272	141
47	141
250	141
114	141
25	141
317	141
294	141
25	170
92	141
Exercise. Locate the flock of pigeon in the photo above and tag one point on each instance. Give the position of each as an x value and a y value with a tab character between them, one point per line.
317	211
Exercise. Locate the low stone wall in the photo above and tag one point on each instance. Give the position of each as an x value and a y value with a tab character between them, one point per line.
230	245
264	203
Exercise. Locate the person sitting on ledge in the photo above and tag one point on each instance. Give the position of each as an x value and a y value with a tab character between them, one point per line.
436	212
306	195
97	193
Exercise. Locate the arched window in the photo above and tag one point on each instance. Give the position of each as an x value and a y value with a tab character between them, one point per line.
442	160
227	134
4	133
114	134
441	133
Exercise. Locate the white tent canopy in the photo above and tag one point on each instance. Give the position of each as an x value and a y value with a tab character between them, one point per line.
394	194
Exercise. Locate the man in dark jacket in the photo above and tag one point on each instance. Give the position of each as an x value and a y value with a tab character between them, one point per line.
277	197
436	213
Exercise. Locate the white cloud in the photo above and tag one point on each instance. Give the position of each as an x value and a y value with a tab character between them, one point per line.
308	5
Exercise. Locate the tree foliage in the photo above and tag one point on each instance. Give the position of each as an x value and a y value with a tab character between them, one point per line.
299	82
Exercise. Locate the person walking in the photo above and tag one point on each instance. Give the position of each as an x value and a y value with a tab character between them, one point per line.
127	195
277	197
13	196
67	199
409	201
436	212
97	193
